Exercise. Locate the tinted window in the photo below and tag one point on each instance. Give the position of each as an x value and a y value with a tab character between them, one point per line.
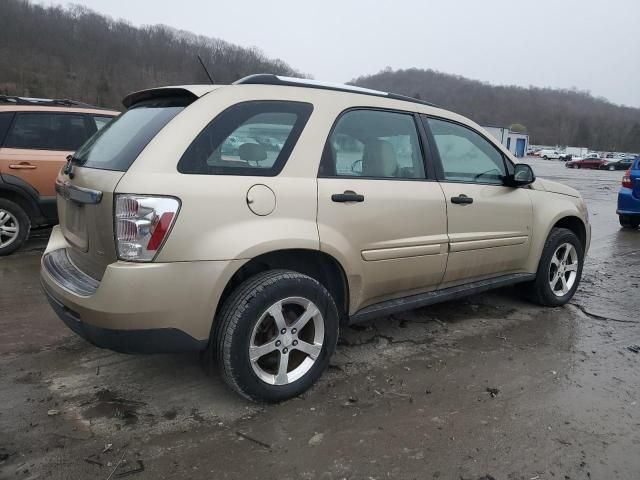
47	131
373	144
101	121
116	145
5	121
467	156
251	138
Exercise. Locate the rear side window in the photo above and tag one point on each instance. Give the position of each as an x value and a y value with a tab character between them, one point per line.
119	142
373	144
250	138
48	131
5	122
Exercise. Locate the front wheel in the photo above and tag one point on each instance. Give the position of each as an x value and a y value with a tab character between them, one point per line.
611	168
559	269
275	335
627	221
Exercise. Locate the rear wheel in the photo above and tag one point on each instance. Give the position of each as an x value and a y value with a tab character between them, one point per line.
627	221
545	157
275	335
559	270
14	226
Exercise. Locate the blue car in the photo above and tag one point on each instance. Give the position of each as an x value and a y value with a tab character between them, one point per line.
629	197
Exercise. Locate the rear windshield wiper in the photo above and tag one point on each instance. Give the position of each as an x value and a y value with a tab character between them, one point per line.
68	168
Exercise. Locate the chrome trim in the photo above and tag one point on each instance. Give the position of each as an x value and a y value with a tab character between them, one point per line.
78	194
60	268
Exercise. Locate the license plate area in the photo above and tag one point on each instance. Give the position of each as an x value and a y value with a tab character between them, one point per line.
75	225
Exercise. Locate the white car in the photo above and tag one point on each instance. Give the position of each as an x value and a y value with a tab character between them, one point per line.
549	154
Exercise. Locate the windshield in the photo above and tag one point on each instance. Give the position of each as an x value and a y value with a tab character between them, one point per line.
118	144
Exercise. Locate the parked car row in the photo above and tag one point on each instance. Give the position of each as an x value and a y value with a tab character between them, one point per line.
600	163
36	136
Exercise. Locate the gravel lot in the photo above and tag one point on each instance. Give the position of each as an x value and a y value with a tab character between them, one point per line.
487	387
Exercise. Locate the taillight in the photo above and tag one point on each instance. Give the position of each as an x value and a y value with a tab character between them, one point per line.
626	180
142	224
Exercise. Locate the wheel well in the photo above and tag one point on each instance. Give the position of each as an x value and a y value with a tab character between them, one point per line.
318	265
576	226
23	202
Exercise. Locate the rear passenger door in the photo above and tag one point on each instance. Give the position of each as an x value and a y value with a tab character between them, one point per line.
379	213
37	144
489	224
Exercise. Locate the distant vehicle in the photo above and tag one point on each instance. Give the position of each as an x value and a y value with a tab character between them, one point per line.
549	154
569	156
589	162
621	164
629	197
36	136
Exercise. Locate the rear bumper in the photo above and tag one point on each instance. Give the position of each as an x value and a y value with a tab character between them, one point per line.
152	340
628	204
136	307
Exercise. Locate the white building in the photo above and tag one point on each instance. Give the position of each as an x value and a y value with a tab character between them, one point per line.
516	143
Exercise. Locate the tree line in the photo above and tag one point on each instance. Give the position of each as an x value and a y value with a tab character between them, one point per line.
551	116
76	53
79	54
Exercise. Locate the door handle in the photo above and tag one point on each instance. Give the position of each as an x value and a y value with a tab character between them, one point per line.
462	199
22	166
347	196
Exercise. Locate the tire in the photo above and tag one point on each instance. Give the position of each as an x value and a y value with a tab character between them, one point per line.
627	221
541	291
611	168
245	316
12	216
545	157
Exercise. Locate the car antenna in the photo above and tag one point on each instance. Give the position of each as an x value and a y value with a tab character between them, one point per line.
205	70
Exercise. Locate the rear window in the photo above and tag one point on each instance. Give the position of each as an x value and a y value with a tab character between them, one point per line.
48	131
119	142
249	138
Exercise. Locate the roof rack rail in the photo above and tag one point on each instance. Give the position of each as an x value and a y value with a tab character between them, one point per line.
271	79
49	102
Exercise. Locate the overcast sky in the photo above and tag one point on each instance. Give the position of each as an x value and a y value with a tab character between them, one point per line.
589	44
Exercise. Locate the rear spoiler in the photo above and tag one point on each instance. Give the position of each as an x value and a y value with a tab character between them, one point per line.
192	92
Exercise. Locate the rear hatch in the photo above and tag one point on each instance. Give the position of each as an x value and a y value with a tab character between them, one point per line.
86	186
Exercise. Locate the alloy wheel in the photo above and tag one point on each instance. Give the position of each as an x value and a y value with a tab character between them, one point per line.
9	228
286	341
563	269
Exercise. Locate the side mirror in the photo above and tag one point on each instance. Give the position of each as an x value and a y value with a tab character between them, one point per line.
522	175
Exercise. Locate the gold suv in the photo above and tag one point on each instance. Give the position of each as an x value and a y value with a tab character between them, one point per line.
253	220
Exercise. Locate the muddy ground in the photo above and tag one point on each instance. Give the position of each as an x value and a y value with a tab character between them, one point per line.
488	387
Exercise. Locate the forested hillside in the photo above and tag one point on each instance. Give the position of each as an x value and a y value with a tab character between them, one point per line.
552	117
79	54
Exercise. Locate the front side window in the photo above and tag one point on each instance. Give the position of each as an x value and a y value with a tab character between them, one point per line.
250	138
47	131
373	144
465	155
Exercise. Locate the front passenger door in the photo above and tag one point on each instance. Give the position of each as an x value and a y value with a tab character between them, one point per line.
489	224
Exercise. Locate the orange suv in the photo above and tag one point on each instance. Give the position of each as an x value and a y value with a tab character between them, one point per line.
36	136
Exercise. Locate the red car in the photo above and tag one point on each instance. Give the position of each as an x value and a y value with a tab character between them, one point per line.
594	163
